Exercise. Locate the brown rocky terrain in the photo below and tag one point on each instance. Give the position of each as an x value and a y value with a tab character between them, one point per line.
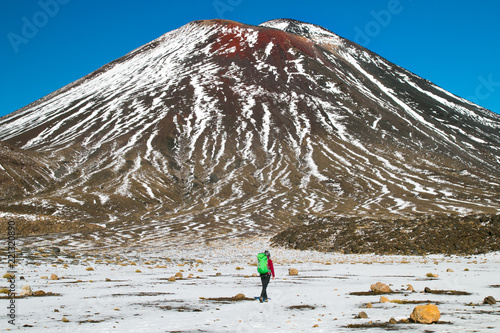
460	235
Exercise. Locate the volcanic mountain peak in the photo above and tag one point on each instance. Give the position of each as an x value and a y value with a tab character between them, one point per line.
222	126
298	28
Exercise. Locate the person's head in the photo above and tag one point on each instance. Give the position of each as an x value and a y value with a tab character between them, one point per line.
266	252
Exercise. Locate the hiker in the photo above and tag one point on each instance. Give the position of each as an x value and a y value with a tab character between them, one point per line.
266	269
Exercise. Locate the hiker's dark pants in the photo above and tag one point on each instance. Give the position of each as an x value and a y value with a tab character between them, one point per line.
265	278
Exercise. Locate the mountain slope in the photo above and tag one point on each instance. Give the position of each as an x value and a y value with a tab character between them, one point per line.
22	173
221	128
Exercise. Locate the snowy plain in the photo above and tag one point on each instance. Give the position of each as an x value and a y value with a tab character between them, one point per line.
128	290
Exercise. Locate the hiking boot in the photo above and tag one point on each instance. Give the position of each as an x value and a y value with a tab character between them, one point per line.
261	299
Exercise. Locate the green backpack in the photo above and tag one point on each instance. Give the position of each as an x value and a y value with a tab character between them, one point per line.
262	263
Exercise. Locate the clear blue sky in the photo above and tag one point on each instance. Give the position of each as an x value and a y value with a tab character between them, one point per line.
46	44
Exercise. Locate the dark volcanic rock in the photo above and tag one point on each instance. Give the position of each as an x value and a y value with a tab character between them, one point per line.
490	300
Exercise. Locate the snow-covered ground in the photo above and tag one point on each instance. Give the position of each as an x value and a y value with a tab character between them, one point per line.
116	297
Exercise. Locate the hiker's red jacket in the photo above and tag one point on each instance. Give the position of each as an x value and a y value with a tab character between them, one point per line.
270	266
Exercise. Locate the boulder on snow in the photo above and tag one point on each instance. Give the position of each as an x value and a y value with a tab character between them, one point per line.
380	287
239	297
362	315
39	293
54	277
26	291
293	271
489	300
425	314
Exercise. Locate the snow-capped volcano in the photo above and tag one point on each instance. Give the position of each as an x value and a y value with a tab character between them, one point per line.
224	128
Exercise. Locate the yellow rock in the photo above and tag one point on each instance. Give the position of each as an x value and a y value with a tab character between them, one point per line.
293	271
425	314
89	269
9	276
384	299
65	320
397	301
54	277
239	297
380	287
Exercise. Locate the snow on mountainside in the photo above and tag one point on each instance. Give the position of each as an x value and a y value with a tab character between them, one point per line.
221	128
